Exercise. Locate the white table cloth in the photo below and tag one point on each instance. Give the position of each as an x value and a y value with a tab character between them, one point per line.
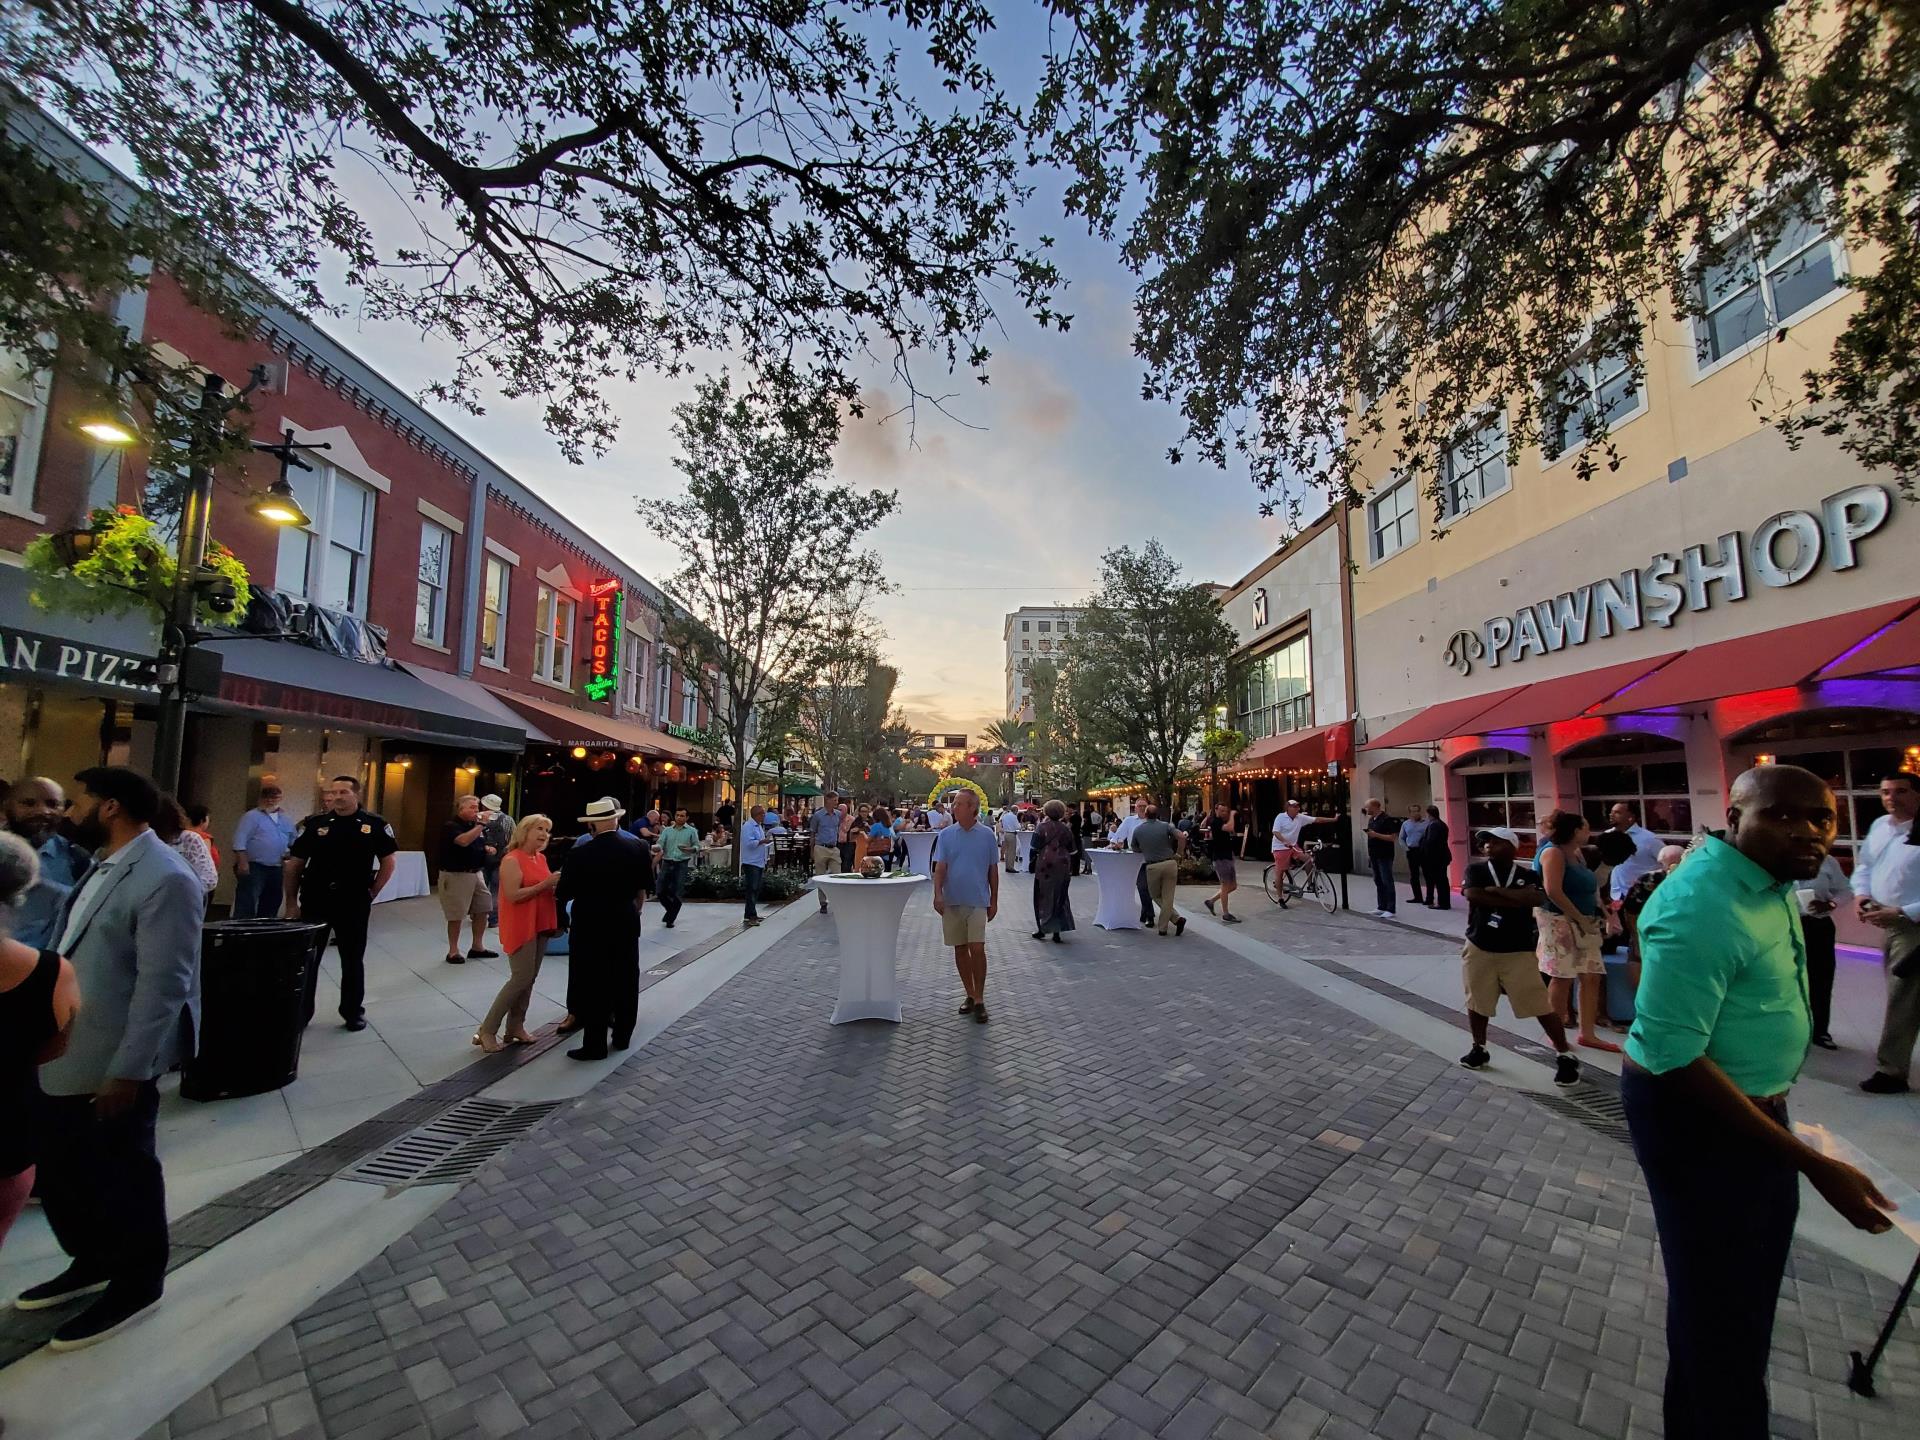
1118	873
920	851
409	877
1023	851
867	915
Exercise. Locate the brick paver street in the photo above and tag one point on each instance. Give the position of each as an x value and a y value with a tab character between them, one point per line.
1163	1192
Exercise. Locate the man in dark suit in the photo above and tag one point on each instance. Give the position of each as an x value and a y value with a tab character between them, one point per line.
604	882
132	930
1436	860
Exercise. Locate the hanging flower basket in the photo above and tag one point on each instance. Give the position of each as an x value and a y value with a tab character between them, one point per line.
119	563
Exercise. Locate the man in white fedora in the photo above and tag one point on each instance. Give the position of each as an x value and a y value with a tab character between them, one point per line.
603	883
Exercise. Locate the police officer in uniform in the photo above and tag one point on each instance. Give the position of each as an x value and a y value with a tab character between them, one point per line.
340	859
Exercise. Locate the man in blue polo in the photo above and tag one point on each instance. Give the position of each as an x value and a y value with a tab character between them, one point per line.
824	828
966	895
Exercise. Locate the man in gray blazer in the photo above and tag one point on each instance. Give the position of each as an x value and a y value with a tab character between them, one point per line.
132	932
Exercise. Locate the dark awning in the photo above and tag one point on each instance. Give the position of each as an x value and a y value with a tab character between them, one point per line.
295	682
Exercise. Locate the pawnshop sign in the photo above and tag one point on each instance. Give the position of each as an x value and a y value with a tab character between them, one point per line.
1781	550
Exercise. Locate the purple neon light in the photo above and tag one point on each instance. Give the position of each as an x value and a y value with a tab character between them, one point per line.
1854	650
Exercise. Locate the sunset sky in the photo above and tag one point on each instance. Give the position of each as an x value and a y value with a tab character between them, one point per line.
1010	502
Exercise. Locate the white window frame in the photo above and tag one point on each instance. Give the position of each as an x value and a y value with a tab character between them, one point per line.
1455	506
319	486
1583	359
436	590
17	497
497	660
553	641
663	687
1410	515
633	673
689	701
1706	364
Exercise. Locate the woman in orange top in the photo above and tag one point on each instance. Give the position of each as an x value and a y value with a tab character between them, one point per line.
527	916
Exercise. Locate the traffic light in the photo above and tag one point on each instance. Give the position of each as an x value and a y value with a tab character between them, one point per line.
973	759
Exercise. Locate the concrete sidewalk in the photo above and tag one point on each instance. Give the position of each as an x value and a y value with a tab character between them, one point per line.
1166	1191
421	1015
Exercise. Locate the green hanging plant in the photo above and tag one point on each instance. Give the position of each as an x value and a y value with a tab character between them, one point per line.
120	563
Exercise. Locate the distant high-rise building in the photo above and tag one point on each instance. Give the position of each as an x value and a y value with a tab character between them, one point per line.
1034	632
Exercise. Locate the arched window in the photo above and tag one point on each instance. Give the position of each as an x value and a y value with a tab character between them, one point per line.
1647	771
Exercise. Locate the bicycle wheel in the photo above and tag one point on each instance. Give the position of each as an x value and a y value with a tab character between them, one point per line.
1271	885
1323	891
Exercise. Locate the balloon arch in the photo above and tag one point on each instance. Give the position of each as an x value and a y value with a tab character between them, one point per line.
952	783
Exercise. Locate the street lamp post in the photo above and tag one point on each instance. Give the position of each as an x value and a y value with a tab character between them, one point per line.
1213	754
179	624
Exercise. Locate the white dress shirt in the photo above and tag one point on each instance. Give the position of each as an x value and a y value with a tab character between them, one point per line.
1829	885
1644	860
1287	828
94	886
1124	833
1009	823
1886	868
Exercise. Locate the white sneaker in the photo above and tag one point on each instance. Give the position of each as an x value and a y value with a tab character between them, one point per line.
1383	915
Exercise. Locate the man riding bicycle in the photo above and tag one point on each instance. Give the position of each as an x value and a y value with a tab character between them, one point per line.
1286	833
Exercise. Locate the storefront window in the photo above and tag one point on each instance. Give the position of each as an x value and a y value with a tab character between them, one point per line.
1276	693
1656	785
1854	774
1498	786
22	411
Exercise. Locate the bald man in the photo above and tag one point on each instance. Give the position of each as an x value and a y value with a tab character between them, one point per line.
34	810
1719	1034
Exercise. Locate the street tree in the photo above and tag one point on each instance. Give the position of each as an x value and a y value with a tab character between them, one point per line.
837	684
568	194
1147	663
1065	762
1457	204
767	545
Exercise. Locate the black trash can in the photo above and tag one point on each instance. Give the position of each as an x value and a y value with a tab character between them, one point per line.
254	977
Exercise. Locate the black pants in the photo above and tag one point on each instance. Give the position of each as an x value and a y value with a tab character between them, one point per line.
608	989
1384	897
673	887
1819	932
345	917
101	1185
1146	897
1439	883
1725	1210
750	878
1414	885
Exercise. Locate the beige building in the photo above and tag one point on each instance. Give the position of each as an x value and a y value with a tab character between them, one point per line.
1032	633
1546	642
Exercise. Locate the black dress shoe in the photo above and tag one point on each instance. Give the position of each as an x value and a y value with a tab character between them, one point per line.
108	1315
357	1022
483	954
1881	1083
621	1042
1826	1041
69	1285
585	1054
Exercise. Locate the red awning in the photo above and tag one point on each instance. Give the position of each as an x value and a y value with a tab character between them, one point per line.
1563	697
1896	646
1770	660
1437	722
1298	749
569	726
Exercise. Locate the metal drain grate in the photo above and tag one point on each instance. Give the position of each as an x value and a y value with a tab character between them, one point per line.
452	1146
1597	1109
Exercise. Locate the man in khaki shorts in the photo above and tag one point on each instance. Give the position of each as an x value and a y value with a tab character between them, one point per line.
966	895
824	829
1498	957
464	853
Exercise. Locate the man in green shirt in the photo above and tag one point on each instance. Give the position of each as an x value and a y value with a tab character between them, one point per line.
678	842
1720	1029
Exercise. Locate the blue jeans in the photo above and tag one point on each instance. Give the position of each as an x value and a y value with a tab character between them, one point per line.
1725	1210
1383	893
750	878
258	894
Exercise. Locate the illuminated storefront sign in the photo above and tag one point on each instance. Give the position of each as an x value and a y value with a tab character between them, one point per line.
606	611
1783	550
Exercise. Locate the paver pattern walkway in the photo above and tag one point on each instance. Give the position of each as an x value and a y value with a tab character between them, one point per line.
1163	1192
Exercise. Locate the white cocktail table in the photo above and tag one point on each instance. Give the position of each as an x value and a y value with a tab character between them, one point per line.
1118	873
1023	851
920	851
867	915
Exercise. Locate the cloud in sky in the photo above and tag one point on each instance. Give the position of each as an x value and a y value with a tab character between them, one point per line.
1009	499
